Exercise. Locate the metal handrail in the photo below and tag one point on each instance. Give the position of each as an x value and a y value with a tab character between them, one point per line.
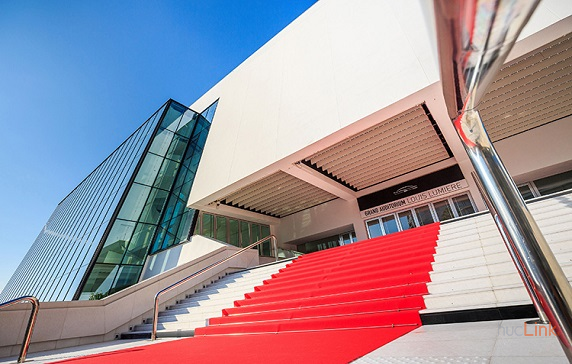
188	278
31	322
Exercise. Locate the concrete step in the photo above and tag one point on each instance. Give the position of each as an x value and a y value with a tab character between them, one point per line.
194	311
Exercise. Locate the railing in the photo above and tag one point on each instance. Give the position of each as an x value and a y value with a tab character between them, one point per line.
288	253
196	274
31	322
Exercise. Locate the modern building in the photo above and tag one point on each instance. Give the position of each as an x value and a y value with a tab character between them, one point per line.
335	131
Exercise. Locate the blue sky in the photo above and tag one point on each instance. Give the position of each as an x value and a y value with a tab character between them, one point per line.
78	77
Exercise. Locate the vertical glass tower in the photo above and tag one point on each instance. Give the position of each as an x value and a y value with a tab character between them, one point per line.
133	204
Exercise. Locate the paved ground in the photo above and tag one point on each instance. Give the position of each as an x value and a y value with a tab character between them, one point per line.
493	342
77	351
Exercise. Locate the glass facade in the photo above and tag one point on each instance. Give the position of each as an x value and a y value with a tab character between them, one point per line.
100	234
235	232
547	185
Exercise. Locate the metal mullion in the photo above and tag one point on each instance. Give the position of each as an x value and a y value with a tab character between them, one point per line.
81	218
170	194
142	155
93	200
101	198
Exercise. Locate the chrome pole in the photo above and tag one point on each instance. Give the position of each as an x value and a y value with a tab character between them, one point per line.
542	319
475	37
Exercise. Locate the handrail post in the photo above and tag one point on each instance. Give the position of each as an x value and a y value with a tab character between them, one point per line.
31	322
197	273
273	238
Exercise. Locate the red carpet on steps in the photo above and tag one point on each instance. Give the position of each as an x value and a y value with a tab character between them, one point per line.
332	306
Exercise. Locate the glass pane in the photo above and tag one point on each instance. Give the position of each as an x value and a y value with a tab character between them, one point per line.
255	236
116	243
552	184
265	231
390	224
172	117
406	220
133	204
255	233
221	228
424	215
443	210
100	279
244	234
463	205
187	124
346	238
177	148
234	238
185	225
208	225
154	206
137	249
198	226
167	174
127	276
374	228
161	142
526	192
149	169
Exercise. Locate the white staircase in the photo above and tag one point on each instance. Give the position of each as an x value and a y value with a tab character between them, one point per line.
182	318
473	269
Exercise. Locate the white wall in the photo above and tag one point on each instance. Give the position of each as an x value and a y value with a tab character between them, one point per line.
323	72
337	63
546	150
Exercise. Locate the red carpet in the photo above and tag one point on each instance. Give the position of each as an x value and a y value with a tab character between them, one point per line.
331	306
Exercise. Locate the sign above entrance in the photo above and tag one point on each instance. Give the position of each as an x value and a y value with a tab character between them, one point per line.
411	187
413	199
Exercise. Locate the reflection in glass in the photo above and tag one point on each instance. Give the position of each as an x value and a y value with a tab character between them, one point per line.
463	205
208	225
161	142
244	234
137	249
116	242
127	276
134	202
374	229
443	210
166	175
100	279
424	215
556	183
526	192
390	224
221	228
154	206
406	220
149	169
234	237
265	231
